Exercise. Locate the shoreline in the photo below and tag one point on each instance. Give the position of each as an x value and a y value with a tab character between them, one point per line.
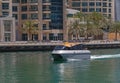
49	46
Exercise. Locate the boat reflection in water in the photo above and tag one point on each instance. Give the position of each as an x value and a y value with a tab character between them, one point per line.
70	51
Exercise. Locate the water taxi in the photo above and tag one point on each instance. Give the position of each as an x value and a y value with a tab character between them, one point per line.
70	51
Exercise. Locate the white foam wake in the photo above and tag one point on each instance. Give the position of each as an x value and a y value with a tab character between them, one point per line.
95	57
105	56
74	59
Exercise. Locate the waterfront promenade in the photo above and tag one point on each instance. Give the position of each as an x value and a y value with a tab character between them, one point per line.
29	43
48	46
35	43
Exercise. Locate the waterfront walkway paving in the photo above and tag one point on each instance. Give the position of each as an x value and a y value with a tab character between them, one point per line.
26	43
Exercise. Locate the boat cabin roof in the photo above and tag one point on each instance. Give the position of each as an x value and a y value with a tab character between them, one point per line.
75	47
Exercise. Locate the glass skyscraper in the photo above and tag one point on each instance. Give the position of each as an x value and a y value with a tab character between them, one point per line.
56	19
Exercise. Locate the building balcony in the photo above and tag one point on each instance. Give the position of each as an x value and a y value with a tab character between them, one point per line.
46	11
46	19
46	3
33	3
33	10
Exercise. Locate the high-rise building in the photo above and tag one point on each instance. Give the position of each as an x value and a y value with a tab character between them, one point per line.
6	7
106	7
48	16
7	22
7	29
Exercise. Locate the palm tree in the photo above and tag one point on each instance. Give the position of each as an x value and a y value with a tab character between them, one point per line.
91	23
81	26
29	28
80	16
74	29
88	24
84	24
99	23
115	29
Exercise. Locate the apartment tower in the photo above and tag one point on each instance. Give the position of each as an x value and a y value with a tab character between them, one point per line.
48	17
7	22
106	7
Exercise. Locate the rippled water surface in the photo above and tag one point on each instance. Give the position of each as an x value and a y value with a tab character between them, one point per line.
37	67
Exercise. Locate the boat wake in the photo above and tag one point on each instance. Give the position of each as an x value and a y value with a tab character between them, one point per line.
95	57
74	59
105	56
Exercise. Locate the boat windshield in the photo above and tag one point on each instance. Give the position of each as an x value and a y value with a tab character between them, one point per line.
76	47
59	47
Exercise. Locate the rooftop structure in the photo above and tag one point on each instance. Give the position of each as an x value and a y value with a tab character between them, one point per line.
71	12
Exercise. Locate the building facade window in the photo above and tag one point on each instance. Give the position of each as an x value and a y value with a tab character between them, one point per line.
33	8
104	10
110	5
46	16
33	1
98	3
91	4
34	16
44	27
5	13
109	15
44	37
24	8
15	16
84	4
24	16
56	36
75	4
91	9
23	1
7	37
46	8
98	9
34	37
5	6
24	37
46	1
14	9
7	25
104	4
15	1
109	10
84	10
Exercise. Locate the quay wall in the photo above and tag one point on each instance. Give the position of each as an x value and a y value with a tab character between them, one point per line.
49	46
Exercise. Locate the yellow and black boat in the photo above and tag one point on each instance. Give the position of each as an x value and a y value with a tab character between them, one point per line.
70	51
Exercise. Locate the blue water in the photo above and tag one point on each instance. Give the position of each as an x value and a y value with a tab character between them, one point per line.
37	67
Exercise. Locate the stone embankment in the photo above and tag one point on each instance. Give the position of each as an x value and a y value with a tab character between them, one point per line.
49	46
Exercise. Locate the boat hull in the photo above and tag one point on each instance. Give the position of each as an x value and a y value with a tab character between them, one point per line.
70	54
